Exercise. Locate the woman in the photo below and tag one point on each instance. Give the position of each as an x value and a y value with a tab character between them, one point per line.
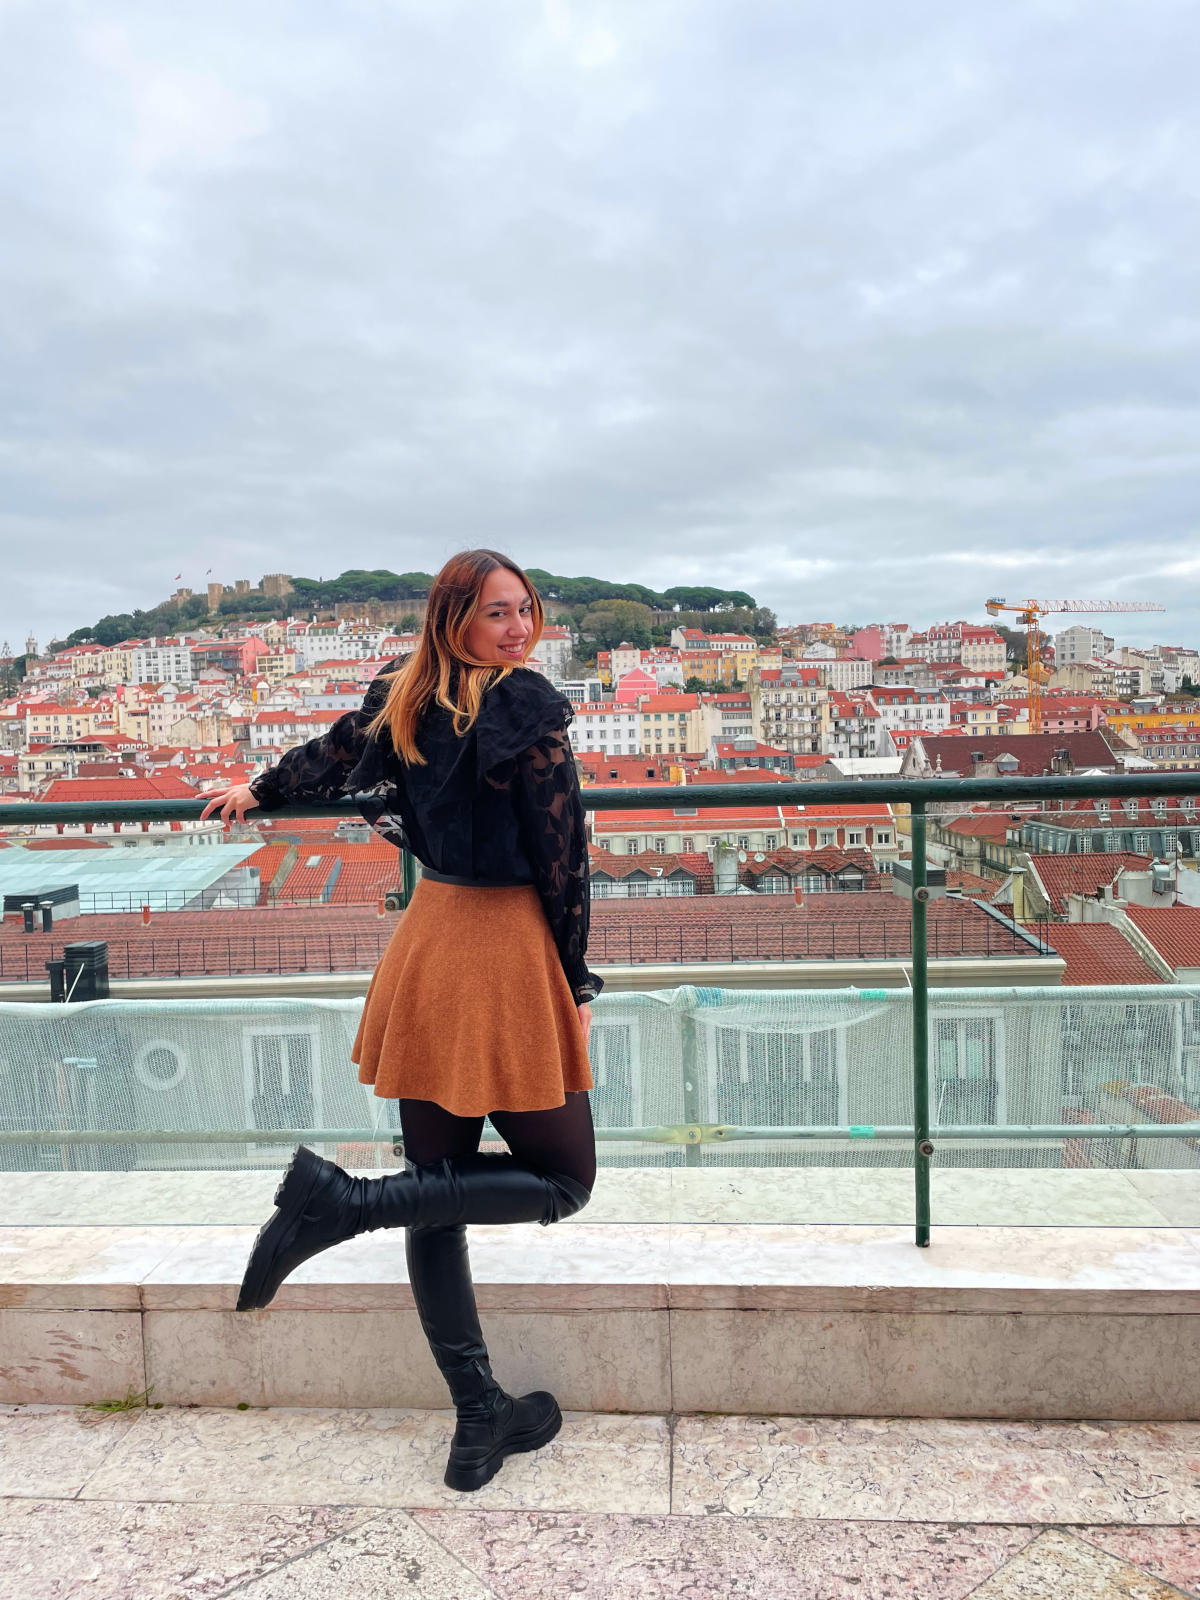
480	1003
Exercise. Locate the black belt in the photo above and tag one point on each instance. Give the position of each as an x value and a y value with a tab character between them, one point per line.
475	883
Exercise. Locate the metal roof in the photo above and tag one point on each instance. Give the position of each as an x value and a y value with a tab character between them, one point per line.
120	870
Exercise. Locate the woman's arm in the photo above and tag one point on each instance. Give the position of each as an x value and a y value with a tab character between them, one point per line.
317	770
548	796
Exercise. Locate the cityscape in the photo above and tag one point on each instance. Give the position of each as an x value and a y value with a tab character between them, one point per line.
599	801
662	696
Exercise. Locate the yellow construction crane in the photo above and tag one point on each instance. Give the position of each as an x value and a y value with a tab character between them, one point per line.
1030	614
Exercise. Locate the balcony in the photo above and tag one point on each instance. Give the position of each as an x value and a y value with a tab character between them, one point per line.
767	1150
757	1171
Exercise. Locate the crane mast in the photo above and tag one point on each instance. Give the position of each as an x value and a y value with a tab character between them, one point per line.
1029	616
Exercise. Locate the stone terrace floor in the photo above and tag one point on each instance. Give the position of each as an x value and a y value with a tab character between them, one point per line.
286	1503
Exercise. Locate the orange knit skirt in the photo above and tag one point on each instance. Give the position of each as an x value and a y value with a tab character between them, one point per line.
470	1007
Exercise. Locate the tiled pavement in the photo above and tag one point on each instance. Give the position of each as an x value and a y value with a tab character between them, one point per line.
275	1504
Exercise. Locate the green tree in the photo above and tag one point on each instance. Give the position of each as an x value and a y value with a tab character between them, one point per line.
618	622
1015	644
359	585
111	630
704	599
11	673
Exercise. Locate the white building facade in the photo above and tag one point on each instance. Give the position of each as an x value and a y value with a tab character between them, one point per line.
1080	643
161	661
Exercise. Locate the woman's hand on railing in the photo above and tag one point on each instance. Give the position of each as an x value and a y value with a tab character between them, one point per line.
233	803
585	1022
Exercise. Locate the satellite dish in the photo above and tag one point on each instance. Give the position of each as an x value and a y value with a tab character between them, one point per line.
758	856
741	855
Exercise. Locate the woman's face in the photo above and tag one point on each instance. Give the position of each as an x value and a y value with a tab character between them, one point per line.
503	625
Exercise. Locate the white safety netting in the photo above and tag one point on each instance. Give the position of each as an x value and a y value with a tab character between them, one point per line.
703	1077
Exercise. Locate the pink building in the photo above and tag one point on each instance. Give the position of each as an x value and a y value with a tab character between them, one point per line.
868	644
633	685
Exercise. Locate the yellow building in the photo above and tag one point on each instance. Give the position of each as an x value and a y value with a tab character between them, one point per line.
1184	715
57	724
278	665
134	721
118	661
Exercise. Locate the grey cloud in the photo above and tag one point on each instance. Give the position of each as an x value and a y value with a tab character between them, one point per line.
871	310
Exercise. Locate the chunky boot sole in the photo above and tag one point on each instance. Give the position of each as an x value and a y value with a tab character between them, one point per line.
291	1197
468	1476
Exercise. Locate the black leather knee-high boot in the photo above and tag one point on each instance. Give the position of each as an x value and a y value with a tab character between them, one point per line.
320	1205
490	1424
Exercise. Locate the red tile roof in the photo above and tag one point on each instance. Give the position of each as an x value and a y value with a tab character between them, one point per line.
361	882
1063	875
981	825
317	938
751	774
71	841
162	786
828	862
970	883
684	863
305	882
1096	952
268	861
1033	751
740	816
1174	931
727	748
769	927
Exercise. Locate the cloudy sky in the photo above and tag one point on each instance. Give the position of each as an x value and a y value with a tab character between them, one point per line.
872	308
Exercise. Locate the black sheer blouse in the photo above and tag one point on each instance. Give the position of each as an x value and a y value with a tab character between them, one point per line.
501	802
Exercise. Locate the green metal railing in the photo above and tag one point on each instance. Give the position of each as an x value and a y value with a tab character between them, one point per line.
917	794
690	1135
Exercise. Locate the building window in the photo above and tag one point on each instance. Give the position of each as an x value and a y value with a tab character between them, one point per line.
161	1064
282	1082
743	841
826	837
856	836
631	847
660	846
966	1088
689	846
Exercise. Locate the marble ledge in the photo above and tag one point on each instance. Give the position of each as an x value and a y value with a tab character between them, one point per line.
634	1267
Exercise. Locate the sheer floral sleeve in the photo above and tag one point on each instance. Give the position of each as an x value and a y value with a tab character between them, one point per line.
319	769
548	797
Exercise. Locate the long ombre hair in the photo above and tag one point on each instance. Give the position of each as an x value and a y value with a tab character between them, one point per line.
442	669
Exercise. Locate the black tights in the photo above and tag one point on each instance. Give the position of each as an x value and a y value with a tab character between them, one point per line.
558	1140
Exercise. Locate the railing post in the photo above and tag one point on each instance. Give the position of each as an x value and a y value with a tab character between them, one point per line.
408	877
691	1084
922	1148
